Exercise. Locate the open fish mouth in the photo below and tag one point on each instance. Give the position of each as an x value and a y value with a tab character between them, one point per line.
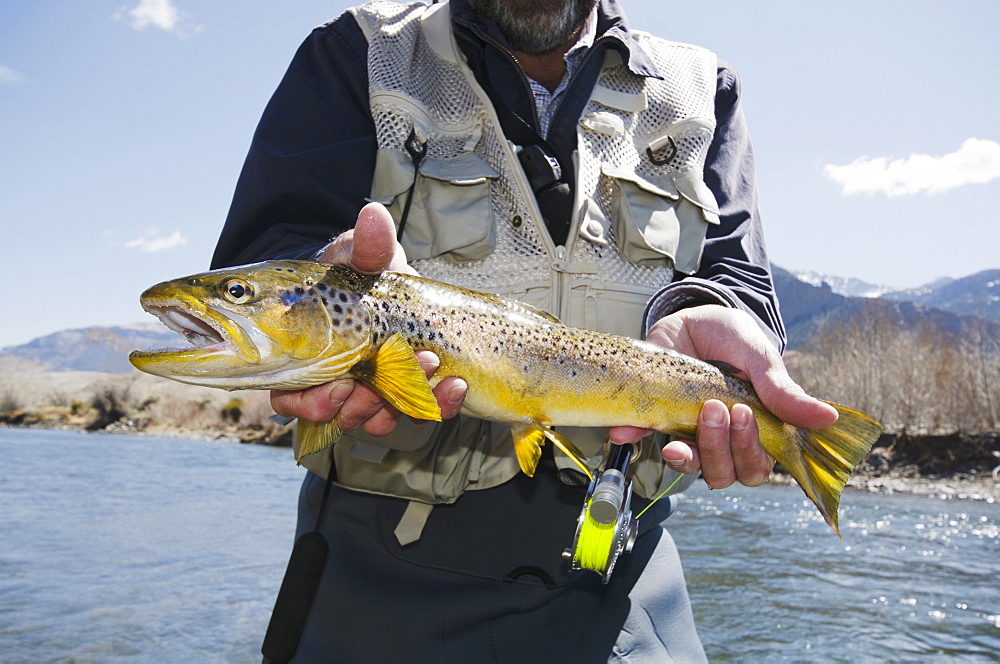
208	332
198	332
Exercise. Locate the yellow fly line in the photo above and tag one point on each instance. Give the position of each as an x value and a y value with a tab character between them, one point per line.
596	542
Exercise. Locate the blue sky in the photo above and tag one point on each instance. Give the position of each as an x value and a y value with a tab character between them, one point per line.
123	126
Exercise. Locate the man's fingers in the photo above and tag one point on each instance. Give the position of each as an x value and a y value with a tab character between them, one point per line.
625	435
682	456
753	464
319	403
374	244
363	403
787	400
713	445
450	393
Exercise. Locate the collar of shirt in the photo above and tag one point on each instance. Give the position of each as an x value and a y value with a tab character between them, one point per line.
546	103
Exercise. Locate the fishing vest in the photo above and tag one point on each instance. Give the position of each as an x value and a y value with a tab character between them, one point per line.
641	211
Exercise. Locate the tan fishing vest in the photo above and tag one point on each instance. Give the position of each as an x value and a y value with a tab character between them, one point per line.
641	211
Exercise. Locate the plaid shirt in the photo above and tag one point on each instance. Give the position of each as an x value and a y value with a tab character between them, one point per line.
546	103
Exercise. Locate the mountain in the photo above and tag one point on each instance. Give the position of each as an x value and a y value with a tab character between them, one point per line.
843	285
103	349
807	308
975	295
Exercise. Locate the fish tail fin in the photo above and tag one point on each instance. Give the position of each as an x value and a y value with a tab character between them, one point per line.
312	437
827	457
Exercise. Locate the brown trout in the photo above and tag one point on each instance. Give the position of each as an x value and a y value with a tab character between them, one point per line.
292	324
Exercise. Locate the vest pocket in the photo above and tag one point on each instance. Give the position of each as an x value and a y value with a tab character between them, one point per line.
660	224
450	215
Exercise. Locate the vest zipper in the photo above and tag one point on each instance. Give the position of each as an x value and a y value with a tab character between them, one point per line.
520	70
559	297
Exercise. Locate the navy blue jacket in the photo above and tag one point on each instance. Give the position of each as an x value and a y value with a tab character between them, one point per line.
312	158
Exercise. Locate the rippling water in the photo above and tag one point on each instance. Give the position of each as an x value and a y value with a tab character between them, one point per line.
120	548
915	578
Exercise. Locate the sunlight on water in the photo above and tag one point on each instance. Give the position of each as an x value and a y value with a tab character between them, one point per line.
125	549
914	577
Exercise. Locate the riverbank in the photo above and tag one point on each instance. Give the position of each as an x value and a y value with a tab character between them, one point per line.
948	465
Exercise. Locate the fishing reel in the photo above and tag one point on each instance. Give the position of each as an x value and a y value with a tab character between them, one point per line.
605	528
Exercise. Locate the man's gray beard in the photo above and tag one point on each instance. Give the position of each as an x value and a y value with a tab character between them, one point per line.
535	26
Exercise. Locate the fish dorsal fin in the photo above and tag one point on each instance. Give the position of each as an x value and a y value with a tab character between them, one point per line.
514	305
395	373
315	437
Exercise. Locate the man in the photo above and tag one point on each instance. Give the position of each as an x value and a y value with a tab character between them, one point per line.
545	151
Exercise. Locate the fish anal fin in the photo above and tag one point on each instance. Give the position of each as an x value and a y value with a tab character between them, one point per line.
315	437
569	449
395	373
528	441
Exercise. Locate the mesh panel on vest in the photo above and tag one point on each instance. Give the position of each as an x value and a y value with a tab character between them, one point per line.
403	64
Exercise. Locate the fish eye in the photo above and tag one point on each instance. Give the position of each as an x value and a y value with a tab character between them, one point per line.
238	291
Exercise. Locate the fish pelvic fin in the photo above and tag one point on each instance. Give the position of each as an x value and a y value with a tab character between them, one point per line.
828	456
528	441
315	437
570	450
395	373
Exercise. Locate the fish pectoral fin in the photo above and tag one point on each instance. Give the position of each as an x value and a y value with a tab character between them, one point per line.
396	374
569	449
528	441
315	437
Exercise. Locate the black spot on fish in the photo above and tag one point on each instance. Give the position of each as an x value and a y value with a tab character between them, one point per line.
321	286
299	290
342	296
337	309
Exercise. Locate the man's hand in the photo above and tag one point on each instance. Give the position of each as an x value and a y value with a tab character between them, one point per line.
369	248
727	448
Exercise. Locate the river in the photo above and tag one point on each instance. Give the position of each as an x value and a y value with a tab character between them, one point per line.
121	548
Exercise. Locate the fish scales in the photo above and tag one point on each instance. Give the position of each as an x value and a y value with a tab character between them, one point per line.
291	324
522	367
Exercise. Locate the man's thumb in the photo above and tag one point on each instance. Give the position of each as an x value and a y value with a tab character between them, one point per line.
374	240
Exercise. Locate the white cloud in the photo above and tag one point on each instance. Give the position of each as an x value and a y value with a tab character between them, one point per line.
10	76
152	242
977	161
157	13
